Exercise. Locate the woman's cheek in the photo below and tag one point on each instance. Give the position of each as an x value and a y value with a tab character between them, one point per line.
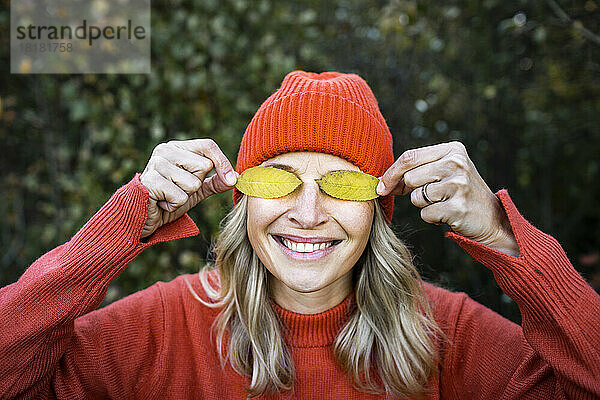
264	211
356	217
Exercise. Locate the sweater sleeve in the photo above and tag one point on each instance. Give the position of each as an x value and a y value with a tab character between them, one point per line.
556	352
38	312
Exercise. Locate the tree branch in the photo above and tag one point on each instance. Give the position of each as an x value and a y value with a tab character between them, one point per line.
577	25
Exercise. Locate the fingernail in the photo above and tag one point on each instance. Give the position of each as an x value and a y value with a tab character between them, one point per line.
230	178
380	188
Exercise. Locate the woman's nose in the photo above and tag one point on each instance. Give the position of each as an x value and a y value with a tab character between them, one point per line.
308	210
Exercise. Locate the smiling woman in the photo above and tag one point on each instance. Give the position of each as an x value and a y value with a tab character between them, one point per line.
308	252
311	295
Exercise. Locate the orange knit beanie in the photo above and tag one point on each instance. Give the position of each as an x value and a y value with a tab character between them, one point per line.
330	113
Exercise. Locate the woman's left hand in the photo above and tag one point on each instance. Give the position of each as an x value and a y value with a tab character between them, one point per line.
445	185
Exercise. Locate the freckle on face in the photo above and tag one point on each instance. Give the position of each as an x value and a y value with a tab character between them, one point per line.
309	213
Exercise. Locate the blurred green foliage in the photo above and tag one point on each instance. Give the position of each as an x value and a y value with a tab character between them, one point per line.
516	82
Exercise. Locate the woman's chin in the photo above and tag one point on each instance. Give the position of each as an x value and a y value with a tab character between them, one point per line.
306	285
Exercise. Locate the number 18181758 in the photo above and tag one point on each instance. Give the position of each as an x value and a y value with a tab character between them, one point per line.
46	47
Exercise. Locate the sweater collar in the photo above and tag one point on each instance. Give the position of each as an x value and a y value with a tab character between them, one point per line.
315	330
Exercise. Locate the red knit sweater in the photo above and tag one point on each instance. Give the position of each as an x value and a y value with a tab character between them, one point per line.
156	344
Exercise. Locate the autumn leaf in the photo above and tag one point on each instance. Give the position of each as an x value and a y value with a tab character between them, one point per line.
349	185
267	182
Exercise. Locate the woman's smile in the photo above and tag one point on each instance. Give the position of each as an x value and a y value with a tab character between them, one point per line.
305	248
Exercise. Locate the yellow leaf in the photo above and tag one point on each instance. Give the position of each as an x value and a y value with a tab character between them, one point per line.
267	182
349	185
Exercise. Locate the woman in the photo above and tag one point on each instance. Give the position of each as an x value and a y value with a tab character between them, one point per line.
310	296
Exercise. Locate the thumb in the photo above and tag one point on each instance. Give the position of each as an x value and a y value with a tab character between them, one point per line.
397	188
215	184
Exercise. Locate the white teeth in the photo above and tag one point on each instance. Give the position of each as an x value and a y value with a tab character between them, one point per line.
305	247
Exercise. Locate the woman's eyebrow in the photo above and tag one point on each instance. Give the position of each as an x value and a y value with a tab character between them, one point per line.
282	166
295	171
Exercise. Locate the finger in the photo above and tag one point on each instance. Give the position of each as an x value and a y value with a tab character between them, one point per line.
168	195
188	182
196	164
193	199
435	193
435	213
451	212
214	184
431	172
399	189
408	160
211	185
210	149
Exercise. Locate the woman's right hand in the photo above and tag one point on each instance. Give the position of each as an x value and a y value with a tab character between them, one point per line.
176	179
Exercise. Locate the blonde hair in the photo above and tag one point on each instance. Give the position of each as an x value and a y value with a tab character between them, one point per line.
392	332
